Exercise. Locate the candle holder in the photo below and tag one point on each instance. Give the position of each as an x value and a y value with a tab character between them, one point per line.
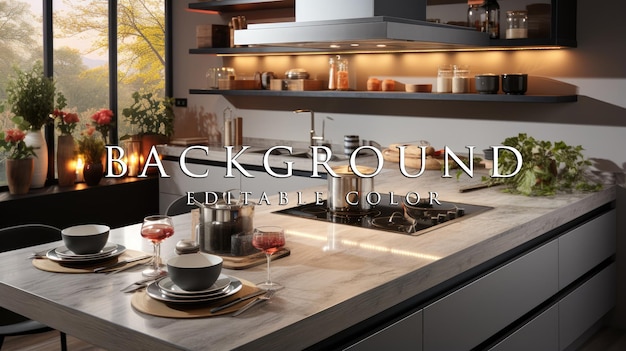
132	158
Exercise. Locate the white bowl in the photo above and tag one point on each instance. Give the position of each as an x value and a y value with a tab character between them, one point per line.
195	271
85	239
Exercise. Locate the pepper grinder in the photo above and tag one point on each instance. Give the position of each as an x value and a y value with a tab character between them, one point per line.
228	127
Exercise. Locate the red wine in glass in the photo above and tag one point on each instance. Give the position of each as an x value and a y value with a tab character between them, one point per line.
156	229
157	232
268	239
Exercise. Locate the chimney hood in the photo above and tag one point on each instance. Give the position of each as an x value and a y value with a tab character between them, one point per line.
377	33
360	25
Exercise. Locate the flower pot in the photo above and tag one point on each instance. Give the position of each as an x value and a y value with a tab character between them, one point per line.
35	139
147	142
93	172
19	175
66	160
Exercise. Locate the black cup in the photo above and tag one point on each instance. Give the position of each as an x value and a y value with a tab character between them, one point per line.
487	83
514	83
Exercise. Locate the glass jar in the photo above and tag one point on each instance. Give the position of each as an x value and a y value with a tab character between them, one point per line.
516	24
476	15
343	81
444	79
492	23
461	79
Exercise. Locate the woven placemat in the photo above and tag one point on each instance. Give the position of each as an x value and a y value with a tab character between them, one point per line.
145	304
52	266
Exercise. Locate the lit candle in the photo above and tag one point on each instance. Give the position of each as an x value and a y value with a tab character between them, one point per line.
133	165
80	164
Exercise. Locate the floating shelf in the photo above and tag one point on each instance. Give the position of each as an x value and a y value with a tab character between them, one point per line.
242	5
393	95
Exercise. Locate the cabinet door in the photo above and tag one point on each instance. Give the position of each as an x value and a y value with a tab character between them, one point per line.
586	246
470	315
541	333
405	334
583	307
263	182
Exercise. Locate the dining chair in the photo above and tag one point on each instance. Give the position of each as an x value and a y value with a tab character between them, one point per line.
179	206
17	237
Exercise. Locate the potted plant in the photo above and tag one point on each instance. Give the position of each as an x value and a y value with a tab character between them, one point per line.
19	163
91	146
153	117
31	96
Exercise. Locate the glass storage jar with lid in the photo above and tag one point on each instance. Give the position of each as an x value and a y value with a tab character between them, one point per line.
516	24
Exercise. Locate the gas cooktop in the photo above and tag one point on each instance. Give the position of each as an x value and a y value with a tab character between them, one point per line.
390	215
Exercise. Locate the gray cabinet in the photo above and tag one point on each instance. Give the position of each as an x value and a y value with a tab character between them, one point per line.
579	310
405	334
541	333
586	246
472	314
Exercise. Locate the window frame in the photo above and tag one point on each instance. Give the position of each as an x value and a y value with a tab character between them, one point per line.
48	65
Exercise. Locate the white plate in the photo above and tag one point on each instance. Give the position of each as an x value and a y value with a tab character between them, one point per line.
168	286
64	252
53	256
156	293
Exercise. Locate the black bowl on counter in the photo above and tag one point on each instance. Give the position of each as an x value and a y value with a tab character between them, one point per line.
487	83
515	83
85	239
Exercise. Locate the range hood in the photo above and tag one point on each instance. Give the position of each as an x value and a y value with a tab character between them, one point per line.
377	33
361	25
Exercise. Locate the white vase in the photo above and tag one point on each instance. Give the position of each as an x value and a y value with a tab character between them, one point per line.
36	139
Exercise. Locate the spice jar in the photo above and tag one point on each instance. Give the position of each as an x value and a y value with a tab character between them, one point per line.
444	79
343	82
516	24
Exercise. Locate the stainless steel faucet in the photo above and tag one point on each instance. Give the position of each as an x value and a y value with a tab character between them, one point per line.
314	138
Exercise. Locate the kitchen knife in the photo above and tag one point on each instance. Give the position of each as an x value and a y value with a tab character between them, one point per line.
120	263
236	301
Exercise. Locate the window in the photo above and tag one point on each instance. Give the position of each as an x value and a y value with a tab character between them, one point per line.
83	52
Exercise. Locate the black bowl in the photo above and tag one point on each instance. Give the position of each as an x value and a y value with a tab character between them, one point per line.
85	239
195	271
487	83
515	83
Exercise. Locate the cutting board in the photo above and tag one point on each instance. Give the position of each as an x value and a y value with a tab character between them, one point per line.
239	84
412	162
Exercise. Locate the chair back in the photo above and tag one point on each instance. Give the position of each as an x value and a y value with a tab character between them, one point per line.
25	235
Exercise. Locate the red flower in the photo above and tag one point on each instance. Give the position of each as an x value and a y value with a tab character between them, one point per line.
103	116
71	118
14	136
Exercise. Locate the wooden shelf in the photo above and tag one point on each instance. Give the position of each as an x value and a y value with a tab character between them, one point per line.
393	95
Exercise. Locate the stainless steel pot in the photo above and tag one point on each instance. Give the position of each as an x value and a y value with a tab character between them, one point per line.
222	220
348	192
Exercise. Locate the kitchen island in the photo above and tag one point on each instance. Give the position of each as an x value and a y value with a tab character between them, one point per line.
342	284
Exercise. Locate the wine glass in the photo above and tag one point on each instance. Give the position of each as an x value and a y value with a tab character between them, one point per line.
268	239
156	228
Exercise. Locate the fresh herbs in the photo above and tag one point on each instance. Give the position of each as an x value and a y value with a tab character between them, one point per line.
546	167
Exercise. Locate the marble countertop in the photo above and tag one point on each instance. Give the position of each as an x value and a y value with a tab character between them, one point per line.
336	275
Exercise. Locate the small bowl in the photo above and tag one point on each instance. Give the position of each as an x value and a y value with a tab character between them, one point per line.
195	271
85	239
487	83
514	83
418	88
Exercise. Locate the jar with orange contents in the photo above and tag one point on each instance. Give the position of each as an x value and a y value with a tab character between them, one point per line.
343	81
